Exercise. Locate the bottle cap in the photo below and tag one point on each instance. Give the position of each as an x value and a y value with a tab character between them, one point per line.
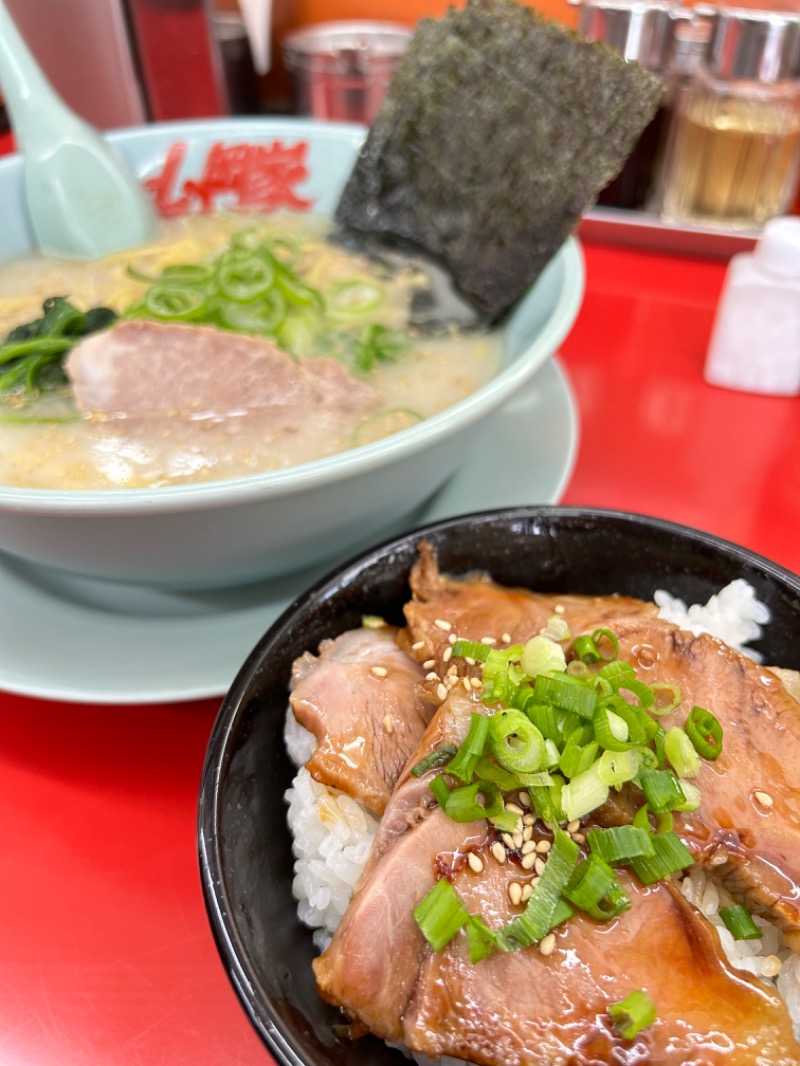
637	29
778	247
755	45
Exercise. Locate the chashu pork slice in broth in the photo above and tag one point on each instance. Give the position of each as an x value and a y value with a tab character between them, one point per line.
531	1008
360	697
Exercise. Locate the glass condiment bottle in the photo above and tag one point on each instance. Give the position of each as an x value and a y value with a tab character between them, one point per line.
640	30
735	152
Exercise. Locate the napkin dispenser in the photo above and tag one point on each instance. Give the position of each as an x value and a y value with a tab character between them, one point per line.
123	62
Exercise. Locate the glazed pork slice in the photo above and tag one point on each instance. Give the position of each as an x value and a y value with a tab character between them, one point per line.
475	607
360	698
747	827
142	369
531	1008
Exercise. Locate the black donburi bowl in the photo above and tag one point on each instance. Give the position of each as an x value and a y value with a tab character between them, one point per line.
244	842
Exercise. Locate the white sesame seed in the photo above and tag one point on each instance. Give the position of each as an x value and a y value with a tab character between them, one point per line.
543	846
475	862
476	683
518	841
379	671
528	847
529	819
468	661
452	638
527	892
527	832
441	691
429	664
534	882
539	865
418	645
467	684
514	808
506	638
559	608
764	799
448	653
452	671
578	838
515	893
442	623
508	840
548	944
498	851
432	676
528	861
388	724
573	826
487	640
719	858
771	966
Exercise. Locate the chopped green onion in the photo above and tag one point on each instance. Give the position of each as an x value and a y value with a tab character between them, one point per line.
481	940
739	922
616	672
505	821
440	914
541	655
583	794
671	855
470	649
620	843
663	821
601	635
662	789
692	794
175	303
481	799
586	649
246	278
632	1014
546	802
705	732
614	768
264	315
612	730
681	753
440	790
567	693
575	757
438	757
545	906
546	719
515	742
667	697
594	888
639	689
471	748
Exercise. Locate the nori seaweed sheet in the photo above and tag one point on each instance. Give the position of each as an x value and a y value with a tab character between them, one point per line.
499	129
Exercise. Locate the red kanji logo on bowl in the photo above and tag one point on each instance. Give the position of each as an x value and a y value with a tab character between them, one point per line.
240	177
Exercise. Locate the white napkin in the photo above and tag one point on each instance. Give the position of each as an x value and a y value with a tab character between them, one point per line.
257	16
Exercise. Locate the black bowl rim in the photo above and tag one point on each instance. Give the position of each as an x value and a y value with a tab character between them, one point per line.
262	1015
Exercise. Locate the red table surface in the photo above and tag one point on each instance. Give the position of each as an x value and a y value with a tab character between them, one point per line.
106	956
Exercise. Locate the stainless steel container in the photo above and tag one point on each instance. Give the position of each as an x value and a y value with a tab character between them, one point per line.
341	70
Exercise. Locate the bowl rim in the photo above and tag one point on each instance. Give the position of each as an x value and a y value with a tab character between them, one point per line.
344	465
265	1018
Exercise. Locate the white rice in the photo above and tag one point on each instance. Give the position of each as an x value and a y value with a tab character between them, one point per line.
734	615
333	833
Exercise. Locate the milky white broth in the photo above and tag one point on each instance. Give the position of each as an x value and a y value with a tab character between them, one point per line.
87	453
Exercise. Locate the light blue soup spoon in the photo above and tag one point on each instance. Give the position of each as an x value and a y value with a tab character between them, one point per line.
83	200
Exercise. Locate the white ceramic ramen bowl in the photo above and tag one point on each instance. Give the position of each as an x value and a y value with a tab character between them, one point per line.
229	532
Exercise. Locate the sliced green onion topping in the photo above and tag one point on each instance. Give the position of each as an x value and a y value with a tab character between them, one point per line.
541	655
671	855
471	749
632	1014
681	753
594	888
440	914
739	922
471	649
662	789
705	732
438	757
